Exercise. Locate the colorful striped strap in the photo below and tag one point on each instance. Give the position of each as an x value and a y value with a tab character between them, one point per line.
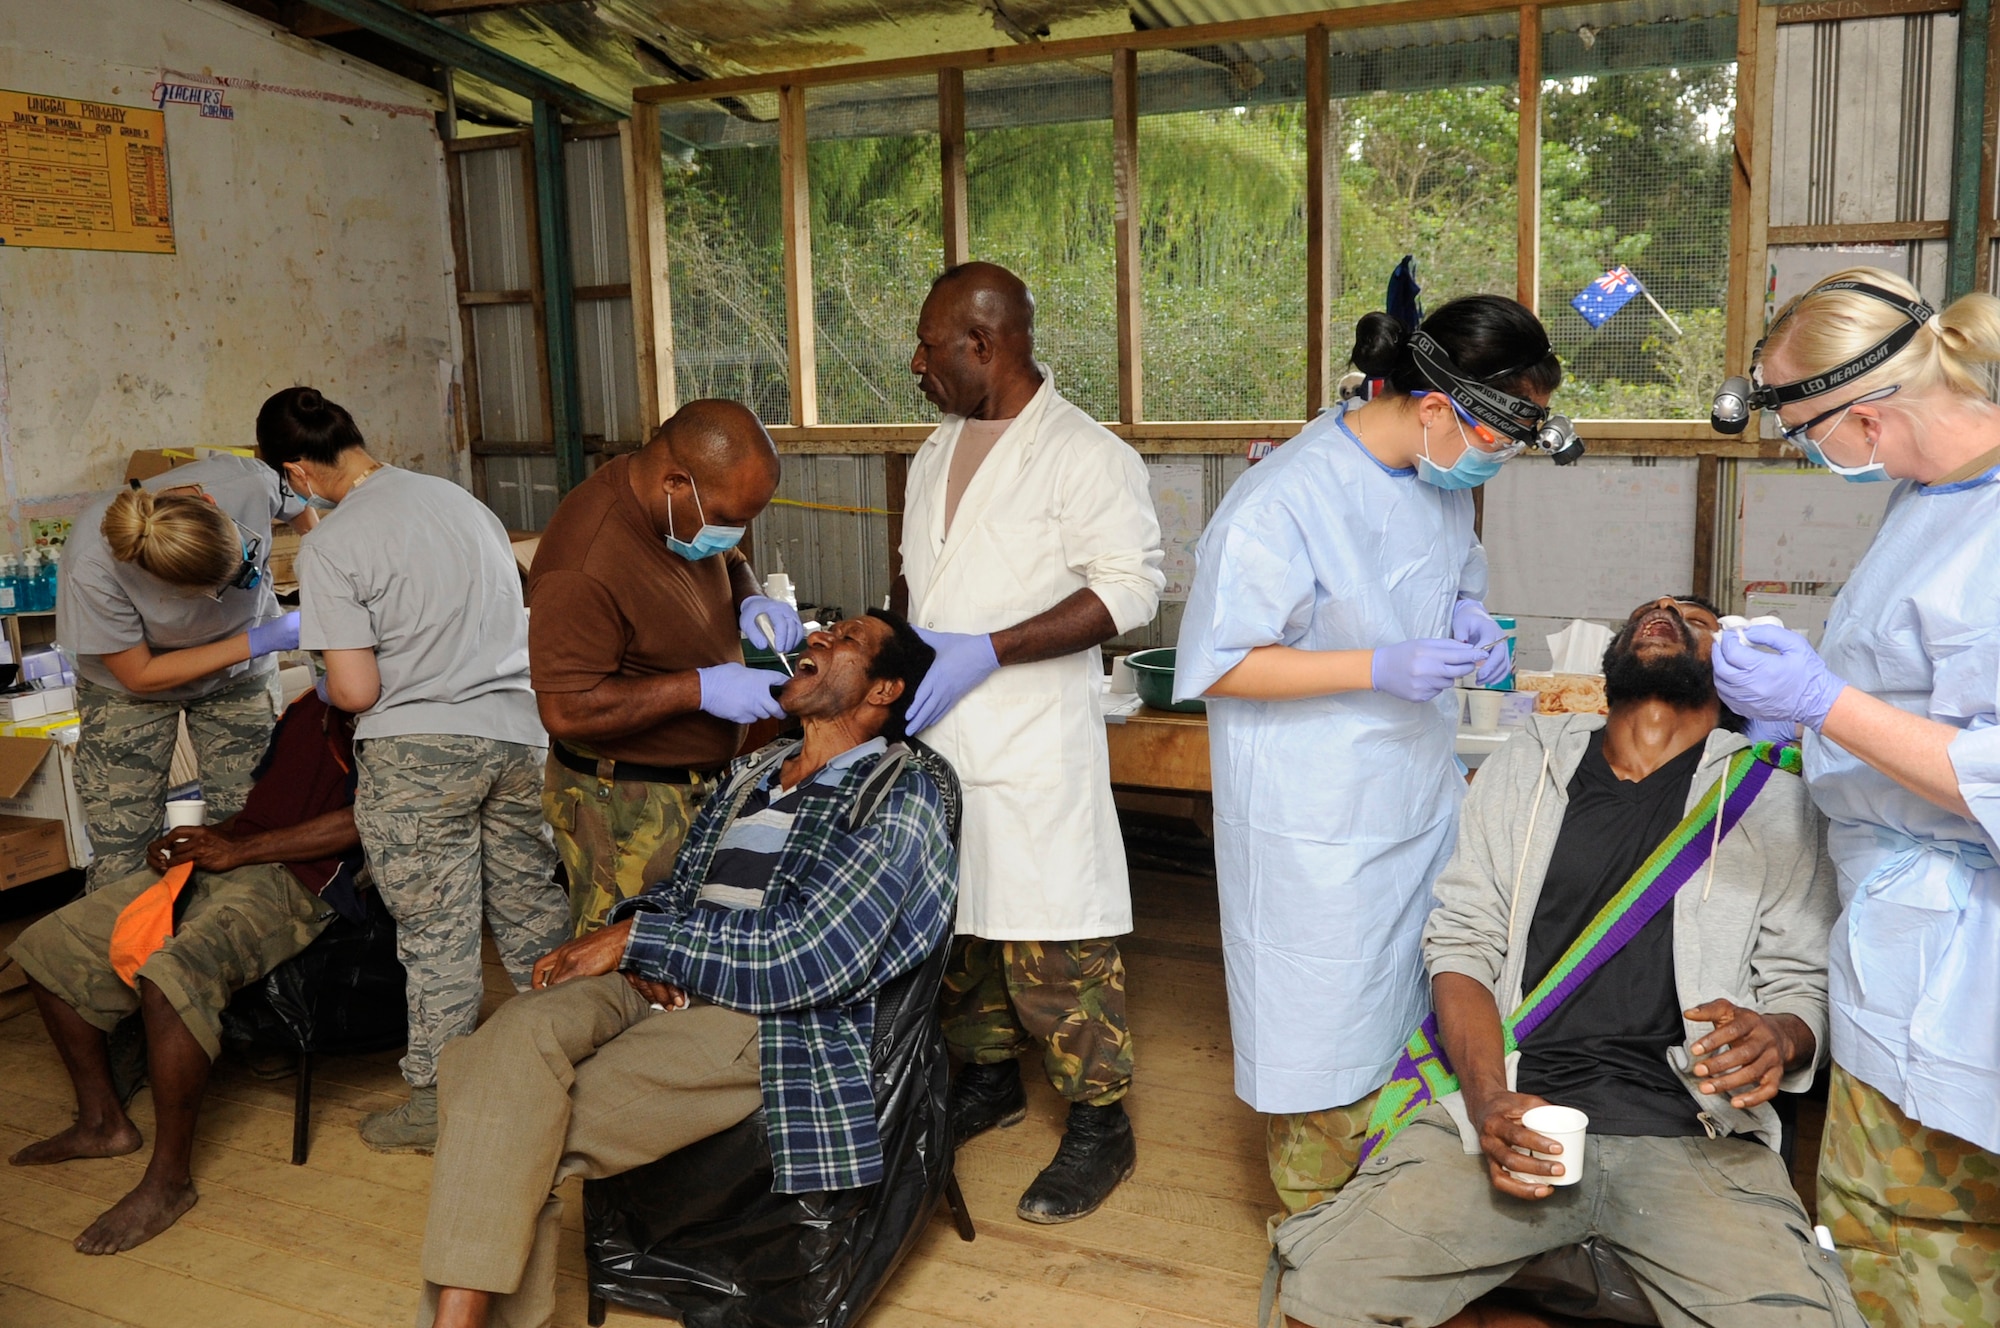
1423	1073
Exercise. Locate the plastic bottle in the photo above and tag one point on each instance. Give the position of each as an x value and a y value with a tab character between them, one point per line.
45	581
10	586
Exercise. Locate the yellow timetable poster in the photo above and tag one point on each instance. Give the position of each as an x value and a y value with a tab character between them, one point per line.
83	175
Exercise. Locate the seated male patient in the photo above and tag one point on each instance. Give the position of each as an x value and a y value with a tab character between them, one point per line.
1673	1049
748	977
265	883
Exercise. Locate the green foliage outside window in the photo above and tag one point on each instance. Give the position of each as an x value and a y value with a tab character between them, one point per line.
1635	171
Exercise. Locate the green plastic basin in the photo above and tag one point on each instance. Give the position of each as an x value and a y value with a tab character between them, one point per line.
1153	674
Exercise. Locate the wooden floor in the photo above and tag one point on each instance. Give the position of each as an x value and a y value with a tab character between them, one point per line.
337	1241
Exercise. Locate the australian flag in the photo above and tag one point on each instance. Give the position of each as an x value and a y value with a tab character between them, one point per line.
1606	295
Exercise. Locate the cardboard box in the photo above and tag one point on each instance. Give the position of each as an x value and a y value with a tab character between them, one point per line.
17	706
38	782
284	557
150	461
30	849
525	543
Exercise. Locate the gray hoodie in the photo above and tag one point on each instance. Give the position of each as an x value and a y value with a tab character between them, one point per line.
1752	927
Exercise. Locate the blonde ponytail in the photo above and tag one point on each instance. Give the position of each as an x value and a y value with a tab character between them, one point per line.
183	539
1823	329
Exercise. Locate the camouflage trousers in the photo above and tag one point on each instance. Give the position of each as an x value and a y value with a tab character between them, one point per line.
126	748
1915	1213
1313	1153
1000	997
452	827
616	837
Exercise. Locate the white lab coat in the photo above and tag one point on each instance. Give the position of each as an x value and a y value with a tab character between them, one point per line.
1059	505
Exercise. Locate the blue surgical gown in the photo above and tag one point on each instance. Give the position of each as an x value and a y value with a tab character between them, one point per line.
1915	959
1333	814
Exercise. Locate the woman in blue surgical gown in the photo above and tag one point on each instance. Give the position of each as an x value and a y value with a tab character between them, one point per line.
1335	603
1902	750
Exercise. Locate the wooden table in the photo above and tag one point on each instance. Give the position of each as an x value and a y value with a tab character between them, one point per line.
1160	749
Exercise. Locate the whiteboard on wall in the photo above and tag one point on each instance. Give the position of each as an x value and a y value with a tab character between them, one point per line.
1806	525
1590	540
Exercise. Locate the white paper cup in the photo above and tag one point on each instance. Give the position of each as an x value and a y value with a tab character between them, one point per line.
1123	683
1483	710
185	812
1566	1126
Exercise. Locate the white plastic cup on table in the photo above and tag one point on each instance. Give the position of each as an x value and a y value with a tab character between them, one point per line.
1123	681
1483	710
1563	1125
186	812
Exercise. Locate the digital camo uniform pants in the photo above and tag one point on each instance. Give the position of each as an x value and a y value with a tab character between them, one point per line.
452	827
616	837
1915	1213
1313	1153
126	750
1000	997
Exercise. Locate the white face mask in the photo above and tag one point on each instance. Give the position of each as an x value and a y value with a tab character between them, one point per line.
310	499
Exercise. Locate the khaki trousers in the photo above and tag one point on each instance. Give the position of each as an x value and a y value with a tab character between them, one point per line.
585	1079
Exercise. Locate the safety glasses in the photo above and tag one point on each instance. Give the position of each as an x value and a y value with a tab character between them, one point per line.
1483	438
1799	435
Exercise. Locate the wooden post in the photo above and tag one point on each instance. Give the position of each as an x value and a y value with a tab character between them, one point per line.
1968	205
896	477
1750	182
1322	223
558	305
796	190
646	245
1707	474
951	163
454	165
1528	164
1125	175
537	293
1988	170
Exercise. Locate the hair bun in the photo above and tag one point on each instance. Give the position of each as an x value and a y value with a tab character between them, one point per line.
1380	340
309	402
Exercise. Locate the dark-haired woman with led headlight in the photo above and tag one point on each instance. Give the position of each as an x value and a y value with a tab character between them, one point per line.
1901	712
1336	601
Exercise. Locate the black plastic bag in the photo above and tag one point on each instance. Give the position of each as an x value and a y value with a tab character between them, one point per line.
700	1236
1584	1281
341	995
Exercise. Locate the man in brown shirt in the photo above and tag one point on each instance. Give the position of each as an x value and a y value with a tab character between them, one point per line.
637	596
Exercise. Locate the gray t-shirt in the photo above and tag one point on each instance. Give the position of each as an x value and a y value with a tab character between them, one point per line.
420	571
104	606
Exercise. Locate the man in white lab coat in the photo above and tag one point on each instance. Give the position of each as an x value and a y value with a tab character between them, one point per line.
1029	540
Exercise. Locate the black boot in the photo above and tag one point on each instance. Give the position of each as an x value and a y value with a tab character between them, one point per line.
1096	1153
983	1096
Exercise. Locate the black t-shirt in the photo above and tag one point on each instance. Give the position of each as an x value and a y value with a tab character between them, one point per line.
1604	1050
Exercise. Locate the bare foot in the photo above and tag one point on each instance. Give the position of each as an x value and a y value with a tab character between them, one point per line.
148	1210
80	1140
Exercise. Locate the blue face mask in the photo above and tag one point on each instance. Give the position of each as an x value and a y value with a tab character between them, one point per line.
1472	469
709	540
1867	474
312	500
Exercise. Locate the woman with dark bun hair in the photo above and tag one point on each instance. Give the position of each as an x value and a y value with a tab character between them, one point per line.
408	587
1336	601
165	601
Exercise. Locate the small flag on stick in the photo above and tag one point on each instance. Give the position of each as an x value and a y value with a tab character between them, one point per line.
1611	292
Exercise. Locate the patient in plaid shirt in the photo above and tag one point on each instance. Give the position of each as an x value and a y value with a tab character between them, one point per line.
820	870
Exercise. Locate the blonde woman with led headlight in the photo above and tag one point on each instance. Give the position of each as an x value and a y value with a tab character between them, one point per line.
1901	712
165	601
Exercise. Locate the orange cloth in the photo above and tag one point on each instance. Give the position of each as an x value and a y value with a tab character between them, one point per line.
144	924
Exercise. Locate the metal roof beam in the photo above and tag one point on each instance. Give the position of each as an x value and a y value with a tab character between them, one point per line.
450	47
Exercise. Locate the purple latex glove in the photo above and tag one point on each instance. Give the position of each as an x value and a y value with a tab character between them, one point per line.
739	693
1781	731
784	621
1421	669
278	634
1472	624
1792	686
964	660
319	690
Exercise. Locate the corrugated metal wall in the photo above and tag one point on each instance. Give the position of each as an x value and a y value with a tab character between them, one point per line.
500	258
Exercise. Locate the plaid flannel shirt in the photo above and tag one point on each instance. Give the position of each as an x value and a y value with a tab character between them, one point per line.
845	913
